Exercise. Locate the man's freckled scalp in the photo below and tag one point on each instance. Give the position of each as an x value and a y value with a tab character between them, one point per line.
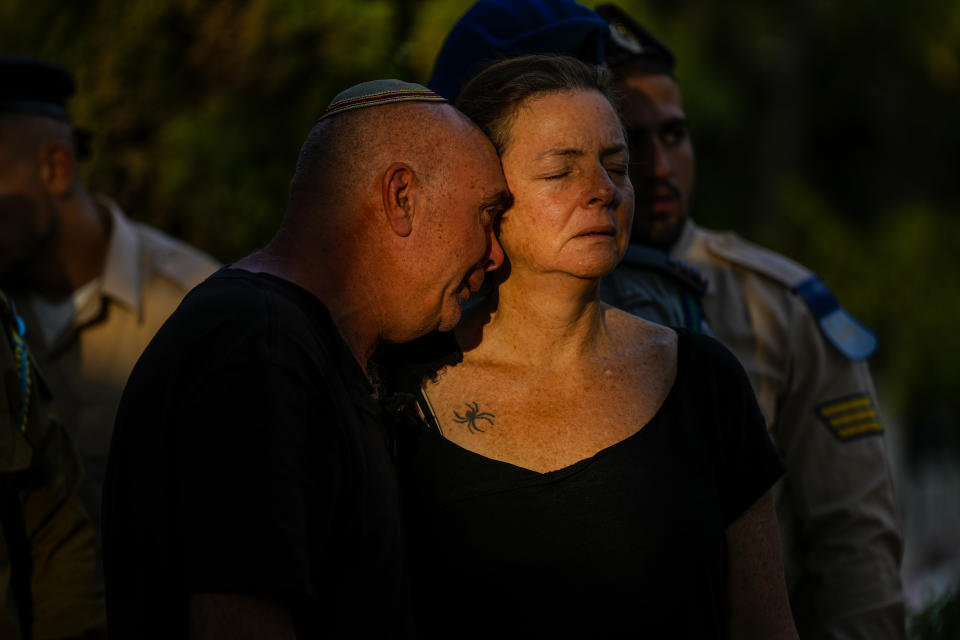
345	154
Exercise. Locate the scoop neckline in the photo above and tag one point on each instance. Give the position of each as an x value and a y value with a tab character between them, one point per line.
573	467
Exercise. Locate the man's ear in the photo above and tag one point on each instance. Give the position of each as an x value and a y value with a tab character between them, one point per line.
58	168
398	190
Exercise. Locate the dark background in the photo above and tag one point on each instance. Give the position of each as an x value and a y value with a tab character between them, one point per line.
827	130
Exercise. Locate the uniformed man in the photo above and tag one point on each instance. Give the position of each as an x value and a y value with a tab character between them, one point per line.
91	286
47	549
805	355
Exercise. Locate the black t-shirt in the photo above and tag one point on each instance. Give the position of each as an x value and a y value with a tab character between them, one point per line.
249	457
629	542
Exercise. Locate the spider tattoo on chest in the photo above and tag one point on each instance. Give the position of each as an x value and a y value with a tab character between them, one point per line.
472	416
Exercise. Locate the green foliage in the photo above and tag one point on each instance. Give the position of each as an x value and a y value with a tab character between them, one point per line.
940	620
892	273
433	22
199	108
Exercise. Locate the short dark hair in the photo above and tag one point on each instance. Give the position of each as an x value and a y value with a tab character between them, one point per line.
492	97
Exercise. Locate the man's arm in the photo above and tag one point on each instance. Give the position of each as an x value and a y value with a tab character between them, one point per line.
54	535
247	494
845	543
67	601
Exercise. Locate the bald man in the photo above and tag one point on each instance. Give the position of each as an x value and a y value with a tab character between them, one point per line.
251	489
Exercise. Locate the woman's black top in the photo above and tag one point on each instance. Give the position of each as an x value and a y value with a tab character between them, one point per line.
628	541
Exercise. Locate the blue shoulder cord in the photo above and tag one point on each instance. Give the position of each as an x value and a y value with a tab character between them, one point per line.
23	367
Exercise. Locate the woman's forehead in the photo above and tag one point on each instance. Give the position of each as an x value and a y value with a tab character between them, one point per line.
561	118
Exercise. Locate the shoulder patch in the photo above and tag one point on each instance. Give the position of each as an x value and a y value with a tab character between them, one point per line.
843	330
850	417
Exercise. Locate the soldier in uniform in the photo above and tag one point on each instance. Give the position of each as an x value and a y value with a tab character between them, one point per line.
47	549
91	286
806	356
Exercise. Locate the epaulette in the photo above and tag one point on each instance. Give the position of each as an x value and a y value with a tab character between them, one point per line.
845	332
649	258
743	253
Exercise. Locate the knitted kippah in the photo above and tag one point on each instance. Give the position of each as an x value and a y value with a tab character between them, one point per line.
378	92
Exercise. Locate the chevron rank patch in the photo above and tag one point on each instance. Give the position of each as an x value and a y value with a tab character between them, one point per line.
850	417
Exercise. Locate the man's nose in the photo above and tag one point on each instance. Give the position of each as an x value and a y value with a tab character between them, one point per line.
649	158
494	256
660	160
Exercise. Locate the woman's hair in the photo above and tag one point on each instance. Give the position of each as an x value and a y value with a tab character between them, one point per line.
493	97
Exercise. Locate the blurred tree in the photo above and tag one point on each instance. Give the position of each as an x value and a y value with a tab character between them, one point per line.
199	107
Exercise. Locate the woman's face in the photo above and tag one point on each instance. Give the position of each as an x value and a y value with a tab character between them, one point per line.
566	165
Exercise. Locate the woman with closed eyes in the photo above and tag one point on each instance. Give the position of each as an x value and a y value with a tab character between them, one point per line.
578	471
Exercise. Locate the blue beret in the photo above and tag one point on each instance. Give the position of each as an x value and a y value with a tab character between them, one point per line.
34	87
494	30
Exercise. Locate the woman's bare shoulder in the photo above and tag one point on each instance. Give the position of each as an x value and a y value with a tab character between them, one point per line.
640	336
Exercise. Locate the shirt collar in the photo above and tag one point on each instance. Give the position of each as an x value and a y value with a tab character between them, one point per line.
685	244
121	268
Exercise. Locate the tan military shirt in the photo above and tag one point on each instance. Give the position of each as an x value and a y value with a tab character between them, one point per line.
145	276
48	585
838	521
